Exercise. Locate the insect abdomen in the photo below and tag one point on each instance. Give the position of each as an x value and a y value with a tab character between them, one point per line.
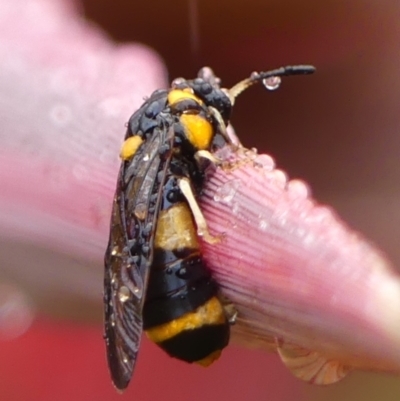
182	313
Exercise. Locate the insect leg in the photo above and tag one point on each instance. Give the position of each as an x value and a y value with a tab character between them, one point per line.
205	154
202	228
222	127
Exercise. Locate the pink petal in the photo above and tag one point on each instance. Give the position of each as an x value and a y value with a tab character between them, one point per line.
66	92
295	272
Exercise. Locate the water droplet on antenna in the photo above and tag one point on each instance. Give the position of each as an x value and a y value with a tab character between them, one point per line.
272	83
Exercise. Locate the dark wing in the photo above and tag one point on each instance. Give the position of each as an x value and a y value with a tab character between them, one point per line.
129	252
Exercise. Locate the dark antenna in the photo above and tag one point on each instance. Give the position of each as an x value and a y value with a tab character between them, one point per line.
266	76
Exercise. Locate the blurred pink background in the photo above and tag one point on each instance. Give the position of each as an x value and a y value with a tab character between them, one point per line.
58	360
341	135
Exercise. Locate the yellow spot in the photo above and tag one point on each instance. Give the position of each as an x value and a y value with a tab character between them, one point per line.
198	130
208	360
130	146
211	313
175	229
178	95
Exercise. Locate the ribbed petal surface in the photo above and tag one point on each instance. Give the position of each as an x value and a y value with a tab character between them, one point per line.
298	276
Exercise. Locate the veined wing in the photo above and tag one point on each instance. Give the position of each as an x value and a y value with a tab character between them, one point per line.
129	252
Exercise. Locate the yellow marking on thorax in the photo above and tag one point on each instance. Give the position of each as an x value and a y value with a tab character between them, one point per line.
130	147
175	229
211	313
198	130
177	95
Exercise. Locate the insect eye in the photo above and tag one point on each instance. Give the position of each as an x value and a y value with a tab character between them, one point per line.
206	88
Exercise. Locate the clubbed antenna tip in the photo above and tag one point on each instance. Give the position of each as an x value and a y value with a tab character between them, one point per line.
265	76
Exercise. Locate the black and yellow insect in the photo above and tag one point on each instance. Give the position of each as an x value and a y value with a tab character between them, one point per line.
155	277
